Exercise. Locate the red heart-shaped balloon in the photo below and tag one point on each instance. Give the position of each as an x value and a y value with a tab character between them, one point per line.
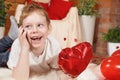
74	60
116	53
110	68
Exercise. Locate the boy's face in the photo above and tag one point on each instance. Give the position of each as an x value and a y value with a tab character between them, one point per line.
37	29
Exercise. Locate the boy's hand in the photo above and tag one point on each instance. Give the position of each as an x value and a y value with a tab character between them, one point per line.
22	34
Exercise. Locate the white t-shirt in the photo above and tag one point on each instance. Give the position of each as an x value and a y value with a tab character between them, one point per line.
49	58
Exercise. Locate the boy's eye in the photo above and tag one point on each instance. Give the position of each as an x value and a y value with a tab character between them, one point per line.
40	25
28	26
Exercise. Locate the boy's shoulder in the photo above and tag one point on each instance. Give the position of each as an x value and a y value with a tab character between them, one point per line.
52	41
51	38
16	41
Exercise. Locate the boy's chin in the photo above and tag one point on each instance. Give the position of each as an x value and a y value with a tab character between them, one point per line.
36	46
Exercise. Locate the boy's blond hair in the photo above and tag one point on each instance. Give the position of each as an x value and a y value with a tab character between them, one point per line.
28	9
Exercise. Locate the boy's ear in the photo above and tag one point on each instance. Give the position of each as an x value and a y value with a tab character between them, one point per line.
49	28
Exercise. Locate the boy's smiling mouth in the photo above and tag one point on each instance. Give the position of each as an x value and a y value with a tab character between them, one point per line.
36	38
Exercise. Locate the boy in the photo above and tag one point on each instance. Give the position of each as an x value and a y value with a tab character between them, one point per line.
35	52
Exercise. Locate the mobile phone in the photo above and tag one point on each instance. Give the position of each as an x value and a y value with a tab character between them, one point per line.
23	31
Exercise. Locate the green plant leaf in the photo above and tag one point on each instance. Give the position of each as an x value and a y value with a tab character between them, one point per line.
87	7
113	35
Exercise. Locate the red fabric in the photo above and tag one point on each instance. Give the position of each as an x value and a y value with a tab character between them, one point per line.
28	1
58	9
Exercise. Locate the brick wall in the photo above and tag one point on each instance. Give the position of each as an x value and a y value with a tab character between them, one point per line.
109	11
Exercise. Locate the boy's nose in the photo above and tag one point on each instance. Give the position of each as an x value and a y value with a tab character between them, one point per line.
35	28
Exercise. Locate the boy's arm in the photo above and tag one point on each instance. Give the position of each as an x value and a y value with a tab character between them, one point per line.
21	71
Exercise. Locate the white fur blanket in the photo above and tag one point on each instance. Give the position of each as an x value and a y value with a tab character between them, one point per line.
91	73
5	74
